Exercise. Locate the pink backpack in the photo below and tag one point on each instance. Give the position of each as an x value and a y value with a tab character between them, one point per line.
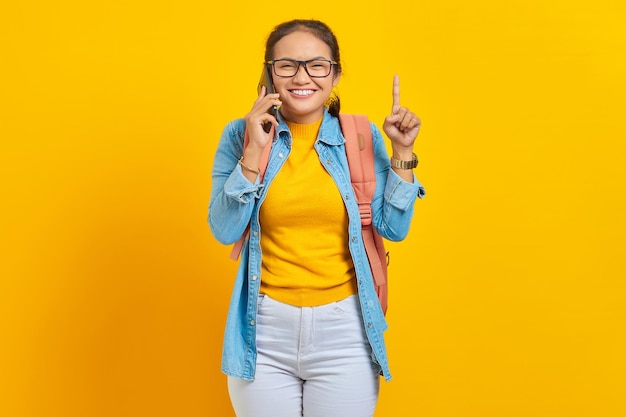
360	154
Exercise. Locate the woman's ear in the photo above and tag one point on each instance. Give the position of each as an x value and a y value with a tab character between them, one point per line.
336	78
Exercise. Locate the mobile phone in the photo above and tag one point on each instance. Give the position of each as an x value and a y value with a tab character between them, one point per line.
266	80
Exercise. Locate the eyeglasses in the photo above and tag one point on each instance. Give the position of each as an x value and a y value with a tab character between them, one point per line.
316	68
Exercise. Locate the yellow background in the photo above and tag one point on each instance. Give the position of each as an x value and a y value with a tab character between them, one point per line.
507	299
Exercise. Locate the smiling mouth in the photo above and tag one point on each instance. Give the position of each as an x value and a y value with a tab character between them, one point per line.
302	93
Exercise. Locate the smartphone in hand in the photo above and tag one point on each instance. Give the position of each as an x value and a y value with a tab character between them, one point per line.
266	80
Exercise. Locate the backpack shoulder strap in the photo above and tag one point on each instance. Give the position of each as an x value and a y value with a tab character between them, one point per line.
238	246
360	152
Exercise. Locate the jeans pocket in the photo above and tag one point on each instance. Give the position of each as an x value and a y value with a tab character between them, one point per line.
343	310
349	305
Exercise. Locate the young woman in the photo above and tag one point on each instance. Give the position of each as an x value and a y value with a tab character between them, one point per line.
304	335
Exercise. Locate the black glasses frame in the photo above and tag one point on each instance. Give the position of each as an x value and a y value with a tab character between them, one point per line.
303	64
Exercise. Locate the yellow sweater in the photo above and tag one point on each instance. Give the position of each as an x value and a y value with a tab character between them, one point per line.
304	223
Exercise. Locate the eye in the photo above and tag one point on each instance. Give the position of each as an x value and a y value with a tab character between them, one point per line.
286	65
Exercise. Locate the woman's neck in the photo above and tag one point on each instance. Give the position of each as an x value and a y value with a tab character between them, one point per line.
303	119
305	130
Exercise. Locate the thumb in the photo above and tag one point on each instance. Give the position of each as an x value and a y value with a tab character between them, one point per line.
392	118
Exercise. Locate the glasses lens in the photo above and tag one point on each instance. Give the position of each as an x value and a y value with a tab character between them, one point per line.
318	68
289	68
285	68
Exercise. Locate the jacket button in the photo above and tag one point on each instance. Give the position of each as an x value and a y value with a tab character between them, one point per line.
369	325
252	323
354	239
254	277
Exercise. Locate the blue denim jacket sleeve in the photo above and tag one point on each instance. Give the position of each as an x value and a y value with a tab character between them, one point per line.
233	196
392	207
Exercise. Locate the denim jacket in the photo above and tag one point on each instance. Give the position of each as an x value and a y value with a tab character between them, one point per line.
235	203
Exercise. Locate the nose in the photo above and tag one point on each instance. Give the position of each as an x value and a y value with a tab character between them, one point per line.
302	75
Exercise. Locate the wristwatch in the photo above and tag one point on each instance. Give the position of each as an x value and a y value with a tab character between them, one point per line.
398	163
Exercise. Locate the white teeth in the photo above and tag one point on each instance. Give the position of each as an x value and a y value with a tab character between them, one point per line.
302	92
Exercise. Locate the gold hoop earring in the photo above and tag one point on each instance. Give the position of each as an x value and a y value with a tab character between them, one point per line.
334	95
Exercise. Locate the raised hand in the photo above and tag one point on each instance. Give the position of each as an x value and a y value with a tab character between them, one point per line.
402	125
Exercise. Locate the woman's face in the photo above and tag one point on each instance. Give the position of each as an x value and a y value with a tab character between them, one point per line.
303	97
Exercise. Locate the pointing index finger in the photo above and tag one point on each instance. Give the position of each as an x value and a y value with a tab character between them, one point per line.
396	93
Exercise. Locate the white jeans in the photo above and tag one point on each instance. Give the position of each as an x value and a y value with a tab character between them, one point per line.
312	362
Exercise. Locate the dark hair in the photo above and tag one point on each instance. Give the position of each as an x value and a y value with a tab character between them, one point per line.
322	32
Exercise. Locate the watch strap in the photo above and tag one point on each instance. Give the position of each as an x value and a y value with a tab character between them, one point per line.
400	164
